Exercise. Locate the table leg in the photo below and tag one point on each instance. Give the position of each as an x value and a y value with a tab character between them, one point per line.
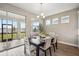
37	51
56	45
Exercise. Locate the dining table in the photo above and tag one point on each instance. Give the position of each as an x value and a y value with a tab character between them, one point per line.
37	42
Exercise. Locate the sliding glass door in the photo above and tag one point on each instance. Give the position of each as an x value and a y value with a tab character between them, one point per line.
9	32
12	31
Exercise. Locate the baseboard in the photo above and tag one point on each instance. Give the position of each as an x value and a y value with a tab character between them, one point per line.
67	44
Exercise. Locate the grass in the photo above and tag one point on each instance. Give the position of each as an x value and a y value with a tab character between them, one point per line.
6	36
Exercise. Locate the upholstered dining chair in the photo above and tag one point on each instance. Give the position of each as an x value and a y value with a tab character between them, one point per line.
54	40
47	45
28	49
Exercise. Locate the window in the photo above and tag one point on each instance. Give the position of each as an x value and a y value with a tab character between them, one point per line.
4	21
9	29
65	19
14	29
35	26
55	21
48	22
22	29
4	34
0	30
22	24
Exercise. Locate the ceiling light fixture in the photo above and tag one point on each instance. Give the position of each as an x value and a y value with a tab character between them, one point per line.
42	13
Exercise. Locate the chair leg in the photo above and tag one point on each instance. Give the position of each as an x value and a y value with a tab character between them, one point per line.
24	50
45	53
50	51
54	47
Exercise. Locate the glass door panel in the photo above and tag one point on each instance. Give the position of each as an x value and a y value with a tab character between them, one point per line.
0	29
4	30
14	29
22	29
3	36
4	33
9	34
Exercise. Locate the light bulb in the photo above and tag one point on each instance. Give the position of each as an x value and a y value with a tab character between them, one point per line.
37	16
42	14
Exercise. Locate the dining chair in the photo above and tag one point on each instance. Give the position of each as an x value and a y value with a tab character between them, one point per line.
54	40
47	45
28	49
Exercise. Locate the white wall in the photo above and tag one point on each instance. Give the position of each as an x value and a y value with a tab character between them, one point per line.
67	33
78	29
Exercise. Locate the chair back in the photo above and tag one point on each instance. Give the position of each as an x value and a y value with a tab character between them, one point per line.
47	42
53	34
26	46
34	34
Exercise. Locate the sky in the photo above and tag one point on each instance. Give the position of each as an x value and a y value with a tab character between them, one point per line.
14	23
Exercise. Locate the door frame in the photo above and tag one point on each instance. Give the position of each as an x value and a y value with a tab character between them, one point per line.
4	40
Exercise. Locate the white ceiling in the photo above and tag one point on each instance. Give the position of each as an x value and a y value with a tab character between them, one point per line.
47	8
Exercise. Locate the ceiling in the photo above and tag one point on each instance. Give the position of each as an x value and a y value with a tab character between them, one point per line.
47	8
